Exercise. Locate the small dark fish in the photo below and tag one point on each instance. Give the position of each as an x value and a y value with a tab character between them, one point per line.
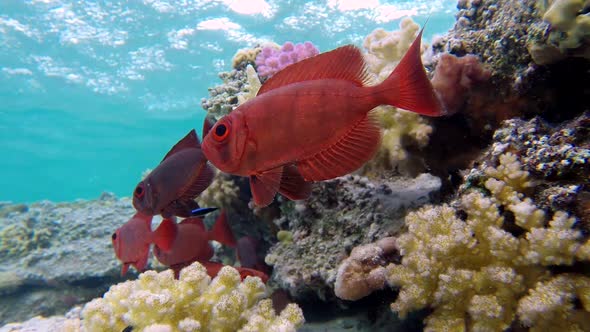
170	189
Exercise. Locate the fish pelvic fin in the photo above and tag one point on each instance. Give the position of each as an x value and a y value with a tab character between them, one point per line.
189	141
345	63
347	155
221	232
293	185
265	185
124	269
165	234
408	86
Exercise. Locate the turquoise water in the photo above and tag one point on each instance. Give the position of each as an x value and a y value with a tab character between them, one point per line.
93	94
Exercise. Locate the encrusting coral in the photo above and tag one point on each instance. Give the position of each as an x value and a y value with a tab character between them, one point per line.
194	302
478	274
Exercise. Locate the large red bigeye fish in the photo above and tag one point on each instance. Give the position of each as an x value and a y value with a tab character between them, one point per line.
312	121
170	189
132	241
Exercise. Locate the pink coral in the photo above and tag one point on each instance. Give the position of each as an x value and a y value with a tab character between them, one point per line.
272	60
454	77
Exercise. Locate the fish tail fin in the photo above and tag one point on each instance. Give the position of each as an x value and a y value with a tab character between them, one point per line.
221	232
408	86
164	235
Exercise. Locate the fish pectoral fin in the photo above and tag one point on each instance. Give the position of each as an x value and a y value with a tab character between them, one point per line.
181	207
201	178
348	154
164	235
189	141
293	185
265	185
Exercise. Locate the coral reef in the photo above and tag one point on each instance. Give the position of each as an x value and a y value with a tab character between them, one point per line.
194	302
454	77
474	253
221	193
60	247
272	59
245	57
340	214
224	98
364	270
569	33
384	50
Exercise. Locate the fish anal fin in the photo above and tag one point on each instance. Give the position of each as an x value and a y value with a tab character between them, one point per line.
293	185
221	232
345	156
165	234
345	63
265	185
189	141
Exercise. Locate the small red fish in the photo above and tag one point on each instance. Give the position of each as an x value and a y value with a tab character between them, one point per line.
214	267
191	240
171	187
247	255
312	121
132	241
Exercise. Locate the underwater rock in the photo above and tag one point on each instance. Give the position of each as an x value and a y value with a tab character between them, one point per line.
58	253
340	214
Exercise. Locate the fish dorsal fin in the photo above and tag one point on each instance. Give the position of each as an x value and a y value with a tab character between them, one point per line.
293	186
207	125
347	155
189	141
197	221
221	232
265	185
344	63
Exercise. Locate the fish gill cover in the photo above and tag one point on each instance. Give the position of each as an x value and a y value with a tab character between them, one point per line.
92	94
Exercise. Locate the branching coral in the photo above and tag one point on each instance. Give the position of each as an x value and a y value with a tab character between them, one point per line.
221	193
194	302
476	274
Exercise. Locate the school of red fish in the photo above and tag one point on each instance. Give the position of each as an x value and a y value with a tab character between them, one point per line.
310	122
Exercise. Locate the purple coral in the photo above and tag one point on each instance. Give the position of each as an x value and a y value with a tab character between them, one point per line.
272	60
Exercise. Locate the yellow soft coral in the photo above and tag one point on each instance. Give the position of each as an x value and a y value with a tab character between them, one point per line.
194	302
222	192
476	275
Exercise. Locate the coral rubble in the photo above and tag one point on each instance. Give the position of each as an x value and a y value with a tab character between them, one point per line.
340	214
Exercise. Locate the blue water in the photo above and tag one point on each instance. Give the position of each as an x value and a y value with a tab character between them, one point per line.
94	93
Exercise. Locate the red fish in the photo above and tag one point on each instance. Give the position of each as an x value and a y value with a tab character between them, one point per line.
132	241
171	187
247	255
214	267
191	240
312	121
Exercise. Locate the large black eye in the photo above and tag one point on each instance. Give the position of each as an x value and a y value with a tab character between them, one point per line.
139	191
220	130
114	236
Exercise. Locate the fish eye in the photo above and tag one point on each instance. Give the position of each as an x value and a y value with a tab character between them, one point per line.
139	191
114	236
221	132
